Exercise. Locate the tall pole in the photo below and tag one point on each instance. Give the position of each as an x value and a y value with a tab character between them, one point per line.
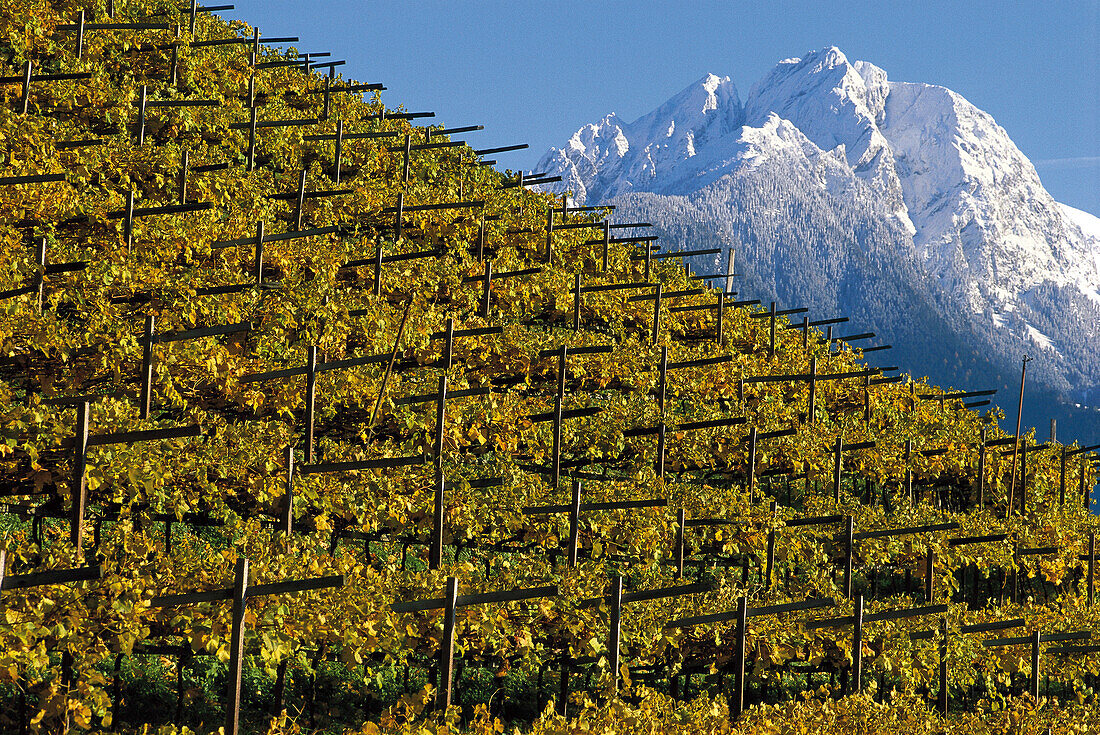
1016	445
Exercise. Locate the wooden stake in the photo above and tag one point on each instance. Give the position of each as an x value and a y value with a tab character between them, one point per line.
300	202
681	522
485	289
574	522
929	574
182	180
849	532
752	466
810	419
236	647
737	705
311	395
576	302
857	645
286	519
141	115
25	101
146	398
559	398
838	464
447	647
657	315
339	149
77	489
613	641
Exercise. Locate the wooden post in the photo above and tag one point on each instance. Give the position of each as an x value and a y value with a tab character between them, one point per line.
378	264
981	470
141	114
849	532
574	522
194	15
838	466
771	332
729	271
128	222
435	553
485	292
255	54
648	261
400	211
559	399
662	380
613	641
77	489
813	392
550	235
657	314
737	705
606	243
311	394
408	154
929	574
1016	445
253	113
857	645
909	470
301	200
481	239
146	398
563	690
661	436
805	332
1092	567
576	302
286	520
771	549
752	465
182	181
80	34
447	646
280	687
681	521
719	336
1023	477
449	345
40	277
1053	431
258	258
1036	637
941	698
339	150
236	647
1062	478
867	400
25	101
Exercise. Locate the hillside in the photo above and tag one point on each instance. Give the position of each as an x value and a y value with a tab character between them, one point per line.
827	168
314	421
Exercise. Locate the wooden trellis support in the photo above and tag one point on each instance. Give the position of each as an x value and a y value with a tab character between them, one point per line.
149	338
38	281
448	604
740	616
616	598
143	104
29	76
859	619
551	227
838	462
813	377
239	593
185	169
666	366
770	315
486	280
340	136
752	439
930	554
1066	454
131	212
81	27
1034	639
299	197
254	124
575	507
682	524
661	430
409	147
81	442
195	8
400	208
849	532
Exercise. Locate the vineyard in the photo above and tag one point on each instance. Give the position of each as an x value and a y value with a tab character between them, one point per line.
316	421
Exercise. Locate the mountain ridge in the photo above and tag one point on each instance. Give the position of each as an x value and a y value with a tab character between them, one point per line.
1017	271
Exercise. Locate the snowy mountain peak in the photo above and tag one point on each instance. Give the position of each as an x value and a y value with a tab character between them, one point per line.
970	212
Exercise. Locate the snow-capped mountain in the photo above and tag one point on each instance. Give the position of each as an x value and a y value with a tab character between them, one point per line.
896	180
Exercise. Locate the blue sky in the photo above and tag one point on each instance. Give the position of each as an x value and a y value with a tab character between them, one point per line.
535	72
